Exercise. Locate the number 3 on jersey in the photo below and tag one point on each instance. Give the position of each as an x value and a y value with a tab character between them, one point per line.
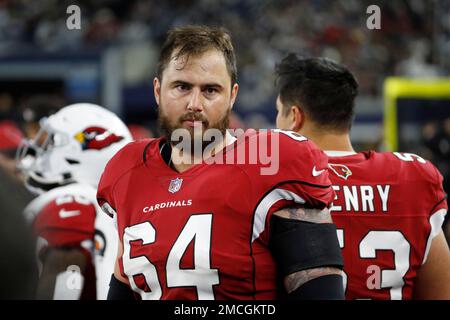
202	277
384	240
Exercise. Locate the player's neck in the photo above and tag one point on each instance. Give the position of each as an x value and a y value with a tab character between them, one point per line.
178	159
329	141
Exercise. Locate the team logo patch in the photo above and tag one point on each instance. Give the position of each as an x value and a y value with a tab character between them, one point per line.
100	242
96	138
175	185
340	170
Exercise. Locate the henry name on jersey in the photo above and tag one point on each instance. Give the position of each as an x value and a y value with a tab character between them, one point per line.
361	198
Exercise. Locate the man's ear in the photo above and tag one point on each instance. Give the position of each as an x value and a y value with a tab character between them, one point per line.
234	92
157	89
298	118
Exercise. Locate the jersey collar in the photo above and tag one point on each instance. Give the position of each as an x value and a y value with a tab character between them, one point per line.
333	153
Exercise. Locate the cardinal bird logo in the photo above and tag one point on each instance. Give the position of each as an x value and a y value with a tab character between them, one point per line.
340	170
96	138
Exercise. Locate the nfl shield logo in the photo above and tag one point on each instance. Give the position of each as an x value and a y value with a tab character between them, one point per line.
175	185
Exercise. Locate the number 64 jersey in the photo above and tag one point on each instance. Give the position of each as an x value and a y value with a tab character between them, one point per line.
203	233
387	210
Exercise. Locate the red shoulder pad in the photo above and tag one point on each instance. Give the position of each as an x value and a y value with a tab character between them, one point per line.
127	158
299	167
66	220
415	169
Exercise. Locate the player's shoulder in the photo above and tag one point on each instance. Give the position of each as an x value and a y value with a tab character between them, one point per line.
287	155
69	207
299	151
84	192
408	166
288	143
131	155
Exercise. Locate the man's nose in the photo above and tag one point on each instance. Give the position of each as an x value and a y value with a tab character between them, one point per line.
195	101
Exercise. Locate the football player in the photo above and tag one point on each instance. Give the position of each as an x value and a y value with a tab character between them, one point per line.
389	207
76	245
208	230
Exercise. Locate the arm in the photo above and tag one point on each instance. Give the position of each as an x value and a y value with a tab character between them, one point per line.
117	272
56	275
315	261
433	278
119	287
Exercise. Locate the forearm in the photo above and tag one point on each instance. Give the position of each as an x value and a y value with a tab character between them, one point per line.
323	283
46	286
62	276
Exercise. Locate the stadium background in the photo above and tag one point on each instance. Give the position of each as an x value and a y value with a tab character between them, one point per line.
111	61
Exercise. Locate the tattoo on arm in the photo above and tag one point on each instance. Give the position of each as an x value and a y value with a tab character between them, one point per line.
306	214
297	279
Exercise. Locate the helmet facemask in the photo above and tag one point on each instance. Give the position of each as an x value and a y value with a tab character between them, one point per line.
43	160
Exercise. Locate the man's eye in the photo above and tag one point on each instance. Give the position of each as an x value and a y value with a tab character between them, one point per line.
211	90
182	87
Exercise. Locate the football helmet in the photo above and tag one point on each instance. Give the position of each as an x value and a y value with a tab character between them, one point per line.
72	145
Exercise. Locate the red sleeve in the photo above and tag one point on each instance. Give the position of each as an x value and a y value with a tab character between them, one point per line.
301	179
439	205
128	157
66	222
302	172
418	173
438	211
105	188
440	195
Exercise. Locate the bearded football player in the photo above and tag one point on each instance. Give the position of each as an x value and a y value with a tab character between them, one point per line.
216	231
389	207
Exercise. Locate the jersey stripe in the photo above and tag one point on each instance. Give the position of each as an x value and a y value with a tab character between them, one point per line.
266	203
436	221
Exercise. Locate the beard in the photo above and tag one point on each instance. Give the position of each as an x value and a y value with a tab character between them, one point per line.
168	127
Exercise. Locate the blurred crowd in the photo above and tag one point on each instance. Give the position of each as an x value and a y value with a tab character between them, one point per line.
414	38
436	148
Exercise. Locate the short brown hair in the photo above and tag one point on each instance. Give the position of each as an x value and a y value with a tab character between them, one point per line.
195	40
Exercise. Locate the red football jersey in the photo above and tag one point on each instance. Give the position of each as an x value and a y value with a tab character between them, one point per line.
203	233
64	218
388	208
64	222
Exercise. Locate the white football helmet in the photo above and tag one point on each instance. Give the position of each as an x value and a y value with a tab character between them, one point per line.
73	145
